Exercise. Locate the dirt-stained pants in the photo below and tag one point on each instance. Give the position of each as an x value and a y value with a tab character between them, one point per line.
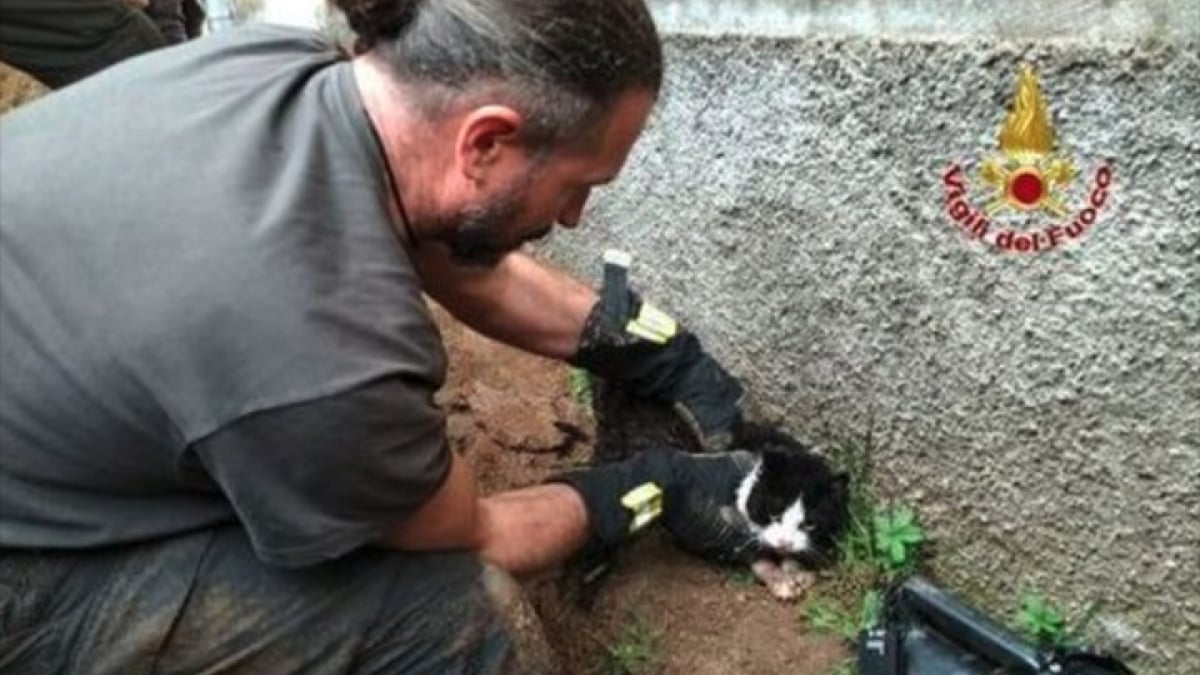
203	603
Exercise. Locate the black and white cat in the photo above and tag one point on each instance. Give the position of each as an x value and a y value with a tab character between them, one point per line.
791	499
795	504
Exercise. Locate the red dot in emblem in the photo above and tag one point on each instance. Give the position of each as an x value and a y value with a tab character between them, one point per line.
1027	188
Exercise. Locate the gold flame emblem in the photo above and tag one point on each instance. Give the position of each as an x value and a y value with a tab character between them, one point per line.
1027	175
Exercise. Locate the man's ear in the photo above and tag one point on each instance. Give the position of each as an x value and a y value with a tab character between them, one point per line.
486	133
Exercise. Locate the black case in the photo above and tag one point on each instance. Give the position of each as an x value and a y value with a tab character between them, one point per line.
925	631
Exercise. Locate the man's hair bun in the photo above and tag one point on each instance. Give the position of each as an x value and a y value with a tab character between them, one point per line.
375	20
562	63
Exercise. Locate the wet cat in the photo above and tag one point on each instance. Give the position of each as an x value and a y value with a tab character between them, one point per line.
792	500
795	504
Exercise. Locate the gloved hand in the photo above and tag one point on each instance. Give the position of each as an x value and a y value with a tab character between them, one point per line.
697	500
647	354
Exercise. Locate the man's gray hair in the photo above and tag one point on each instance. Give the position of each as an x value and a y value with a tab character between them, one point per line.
562	63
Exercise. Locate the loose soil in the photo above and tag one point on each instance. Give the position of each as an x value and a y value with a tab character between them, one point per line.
512	415
17	87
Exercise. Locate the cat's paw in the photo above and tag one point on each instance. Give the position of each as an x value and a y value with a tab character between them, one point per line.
787	582
784	589
801	578
792	586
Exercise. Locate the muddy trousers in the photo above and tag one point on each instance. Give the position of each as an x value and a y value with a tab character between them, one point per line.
203	603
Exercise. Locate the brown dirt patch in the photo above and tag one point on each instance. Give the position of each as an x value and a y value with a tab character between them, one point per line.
17	87
512	416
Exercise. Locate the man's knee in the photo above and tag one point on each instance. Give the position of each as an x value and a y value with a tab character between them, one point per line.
513	608
206	599
453	613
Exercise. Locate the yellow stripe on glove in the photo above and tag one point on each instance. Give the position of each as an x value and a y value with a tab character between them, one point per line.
652	324
645	501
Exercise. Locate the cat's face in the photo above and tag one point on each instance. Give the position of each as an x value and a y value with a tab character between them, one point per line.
794	501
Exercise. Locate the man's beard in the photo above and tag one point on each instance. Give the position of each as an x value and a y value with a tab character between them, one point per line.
476	235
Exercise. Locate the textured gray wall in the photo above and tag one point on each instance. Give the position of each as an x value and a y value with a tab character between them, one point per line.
1107	20
1042	409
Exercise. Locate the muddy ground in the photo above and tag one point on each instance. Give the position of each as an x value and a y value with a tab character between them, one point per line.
661	611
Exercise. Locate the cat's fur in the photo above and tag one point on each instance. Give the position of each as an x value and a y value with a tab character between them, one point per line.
793	500
797	506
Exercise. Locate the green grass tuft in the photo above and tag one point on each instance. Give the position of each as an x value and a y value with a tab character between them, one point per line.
634	652
579	384
881	543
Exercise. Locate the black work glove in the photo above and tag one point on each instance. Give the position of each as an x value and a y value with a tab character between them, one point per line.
648	354
697	507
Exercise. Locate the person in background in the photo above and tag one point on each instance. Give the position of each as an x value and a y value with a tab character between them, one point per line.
177	20
59	42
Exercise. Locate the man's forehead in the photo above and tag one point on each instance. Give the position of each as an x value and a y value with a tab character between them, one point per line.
615	134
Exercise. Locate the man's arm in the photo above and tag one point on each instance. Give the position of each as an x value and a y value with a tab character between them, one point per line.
542	310
522	531
520	301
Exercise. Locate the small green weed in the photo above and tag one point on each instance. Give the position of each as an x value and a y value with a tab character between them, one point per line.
1047	624
830	616
897	538
1044	623
871	609
579	384
634	652
857	461
880	544
878	547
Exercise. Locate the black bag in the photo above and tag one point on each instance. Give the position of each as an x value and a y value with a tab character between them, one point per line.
923	630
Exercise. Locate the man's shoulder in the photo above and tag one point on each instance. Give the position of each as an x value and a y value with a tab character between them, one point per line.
249	65
266	38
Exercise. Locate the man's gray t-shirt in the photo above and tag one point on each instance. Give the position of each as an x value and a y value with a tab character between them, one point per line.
205	310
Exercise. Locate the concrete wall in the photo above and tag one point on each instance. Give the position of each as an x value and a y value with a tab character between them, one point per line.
1043	409
1081	20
